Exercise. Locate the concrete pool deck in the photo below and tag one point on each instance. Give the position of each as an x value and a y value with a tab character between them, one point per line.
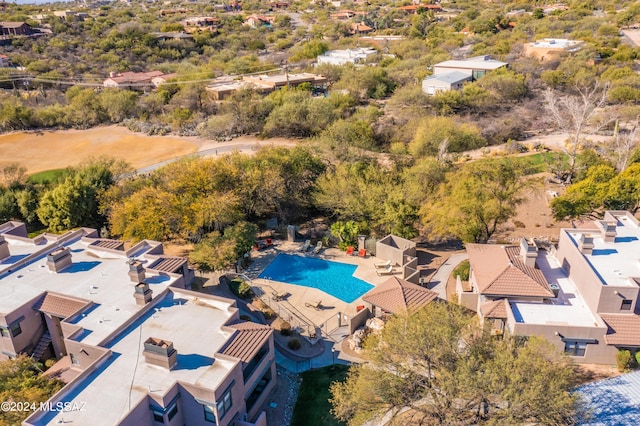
327	316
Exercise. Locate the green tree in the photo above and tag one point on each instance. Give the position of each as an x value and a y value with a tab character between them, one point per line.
21	381
219	251
474	201
434	131
601	189
442	366
74	201
347	232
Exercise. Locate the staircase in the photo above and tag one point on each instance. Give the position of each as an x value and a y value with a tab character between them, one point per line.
41	346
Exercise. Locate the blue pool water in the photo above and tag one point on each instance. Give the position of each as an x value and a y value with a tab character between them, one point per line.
333	278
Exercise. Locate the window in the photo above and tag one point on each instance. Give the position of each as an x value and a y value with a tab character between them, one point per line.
209	414
158	416
225	403
74	359
172	411
4	332
15	329
626	305
255	361
575	348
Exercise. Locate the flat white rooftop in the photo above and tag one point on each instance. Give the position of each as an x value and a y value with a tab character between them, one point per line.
558	43
102	280
615	263
567	309
181	318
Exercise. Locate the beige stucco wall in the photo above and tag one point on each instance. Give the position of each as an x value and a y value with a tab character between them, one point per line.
596	353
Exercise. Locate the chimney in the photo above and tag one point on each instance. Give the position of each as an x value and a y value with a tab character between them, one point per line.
607	230
4	248
136	271
142	293
160	352
528	252
59	259
585	244
112	74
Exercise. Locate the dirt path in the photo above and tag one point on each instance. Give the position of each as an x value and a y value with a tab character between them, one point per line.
554	141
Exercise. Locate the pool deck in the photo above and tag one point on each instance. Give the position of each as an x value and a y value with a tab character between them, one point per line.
299	295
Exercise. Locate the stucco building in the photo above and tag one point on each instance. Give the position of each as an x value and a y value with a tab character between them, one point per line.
581	296
135	345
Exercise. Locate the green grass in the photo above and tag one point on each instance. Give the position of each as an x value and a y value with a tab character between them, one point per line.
313	406
535	163
48	176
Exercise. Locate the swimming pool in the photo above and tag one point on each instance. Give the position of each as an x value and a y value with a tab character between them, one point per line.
333	278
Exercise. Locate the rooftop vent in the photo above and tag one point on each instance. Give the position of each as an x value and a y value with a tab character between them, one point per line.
607	230
136	271
143	294
160	352
4	248
585	244
529	253
59	259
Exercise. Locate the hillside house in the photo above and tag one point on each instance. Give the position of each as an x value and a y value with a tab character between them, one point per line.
15	29
551	48
452	74
348	56
134	80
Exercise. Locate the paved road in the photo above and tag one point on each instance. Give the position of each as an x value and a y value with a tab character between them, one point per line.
439	280
244	147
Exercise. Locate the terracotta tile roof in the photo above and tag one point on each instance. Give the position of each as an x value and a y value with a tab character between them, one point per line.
247	340
495	309
624	329
60	306
500	271
168	264
396	295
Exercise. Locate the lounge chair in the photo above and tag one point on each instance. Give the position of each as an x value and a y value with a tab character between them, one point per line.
279	295
350	250
315	305
317	248
386	271
383	265
362	253
306	245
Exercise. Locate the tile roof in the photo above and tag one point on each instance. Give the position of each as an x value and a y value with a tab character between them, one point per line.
495	309
60	306
624	329
247	340
500	271
396	295
168	264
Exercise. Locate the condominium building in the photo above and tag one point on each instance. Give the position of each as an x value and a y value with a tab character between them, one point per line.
581	296
135	345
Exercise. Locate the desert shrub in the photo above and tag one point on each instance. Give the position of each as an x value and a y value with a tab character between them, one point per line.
50	362
518	224
268	313
462	270
294	344
240	289
637	356
624	360
285	329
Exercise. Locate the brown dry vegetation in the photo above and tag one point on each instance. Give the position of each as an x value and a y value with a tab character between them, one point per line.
40	151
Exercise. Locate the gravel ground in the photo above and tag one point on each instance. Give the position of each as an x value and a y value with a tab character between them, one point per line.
284	396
